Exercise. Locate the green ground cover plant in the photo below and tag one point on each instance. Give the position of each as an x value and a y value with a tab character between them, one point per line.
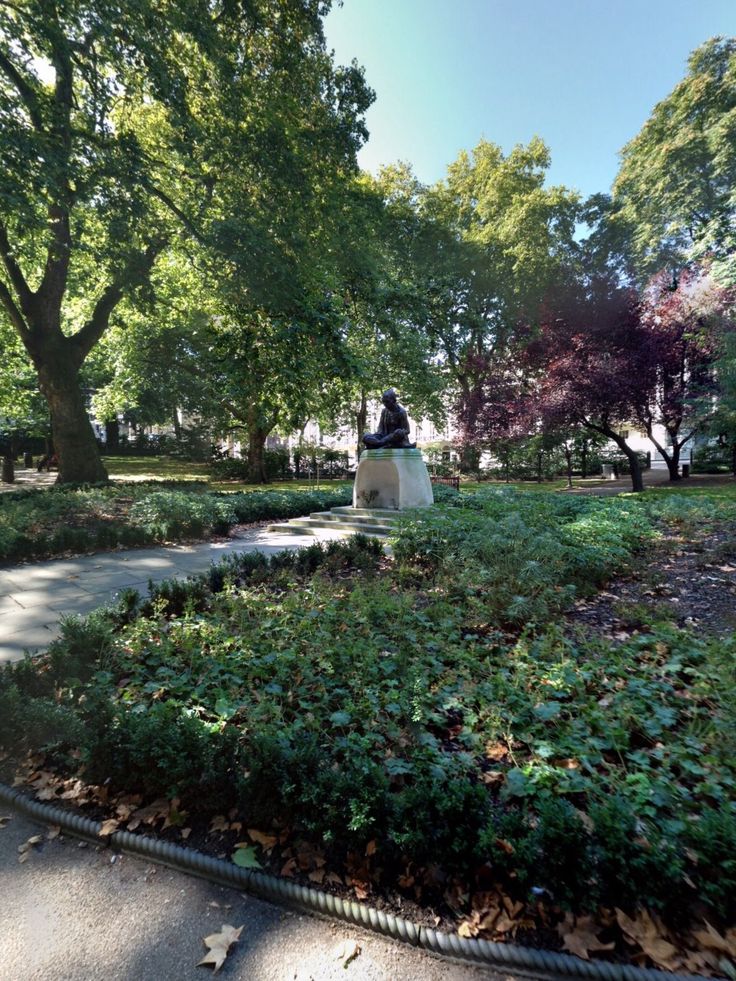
53	521
433	712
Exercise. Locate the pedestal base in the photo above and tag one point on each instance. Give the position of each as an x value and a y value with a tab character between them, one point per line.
395	479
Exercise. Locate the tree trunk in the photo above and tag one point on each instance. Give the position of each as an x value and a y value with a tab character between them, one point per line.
637	482
361	420
112	435
733	458
568	461
256	463
8	469
671	459
177	424
673	462
584	459
74	438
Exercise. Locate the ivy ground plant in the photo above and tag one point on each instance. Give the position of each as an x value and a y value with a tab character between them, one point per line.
426	725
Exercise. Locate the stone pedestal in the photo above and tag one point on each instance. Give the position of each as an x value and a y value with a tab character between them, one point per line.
394	479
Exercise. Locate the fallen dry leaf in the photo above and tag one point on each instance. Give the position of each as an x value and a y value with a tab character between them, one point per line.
219	944
108	827
266	841
580	936
4	818
713	940
24	850
648	932
289	867
496	751
53	832
362	889
346	952
493	778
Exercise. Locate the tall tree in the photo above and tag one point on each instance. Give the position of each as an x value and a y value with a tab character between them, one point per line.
385	282
123	127
682	319
677	181
502	241
589	368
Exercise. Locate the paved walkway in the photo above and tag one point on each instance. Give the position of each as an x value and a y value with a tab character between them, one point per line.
33	597
74	913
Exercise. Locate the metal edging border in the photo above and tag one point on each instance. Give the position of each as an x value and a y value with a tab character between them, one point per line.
483	952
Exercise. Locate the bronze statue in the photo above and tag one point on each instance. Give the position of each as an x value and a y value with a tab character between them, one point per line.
393	427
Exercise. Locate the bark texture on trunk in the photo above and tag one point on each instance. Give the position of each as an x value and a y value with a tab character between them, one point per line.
74	438
256	463
112	434
672	459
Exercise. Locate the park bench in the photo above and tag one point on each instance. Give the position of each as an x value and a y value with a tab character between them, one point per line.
48	462
447	481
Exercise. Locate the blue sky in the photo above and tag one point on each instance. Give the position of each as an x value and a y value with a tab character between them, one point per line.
582	74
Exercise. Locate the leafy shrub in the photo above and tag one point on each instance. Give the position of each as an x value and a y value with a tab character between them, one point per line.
162	750
525	556
81	519
355	708
444	494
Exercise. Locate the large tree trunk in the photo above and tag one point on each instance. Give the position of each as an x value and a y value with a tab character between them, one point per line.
256	463
74	438
637	481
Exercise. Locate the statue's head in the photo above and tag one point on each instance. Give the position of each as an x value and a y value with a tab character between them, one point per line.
389	397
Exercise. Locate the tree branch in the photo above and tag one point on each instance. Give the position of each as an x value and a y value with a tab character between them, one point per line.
137	271
183	218
16	317
24	89
17	278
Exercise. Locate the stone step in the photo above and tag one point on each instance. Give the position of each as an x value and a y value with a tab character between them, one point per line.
339	516
347	526
311	526
383	513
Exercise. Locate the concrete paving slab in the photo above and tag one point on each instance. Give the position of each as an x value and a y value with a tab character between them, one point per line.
34	639
8	605
51	596
22	619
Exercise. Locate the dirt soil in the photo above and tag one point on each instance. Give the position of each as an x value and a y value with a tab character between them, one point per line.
688	578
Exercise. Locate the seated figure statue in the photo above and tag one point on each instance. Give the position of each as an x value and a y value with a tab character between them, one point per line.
393	427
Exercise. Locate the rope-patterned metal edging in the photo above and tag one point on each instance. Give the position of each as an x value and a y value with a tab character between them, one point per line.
503	956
